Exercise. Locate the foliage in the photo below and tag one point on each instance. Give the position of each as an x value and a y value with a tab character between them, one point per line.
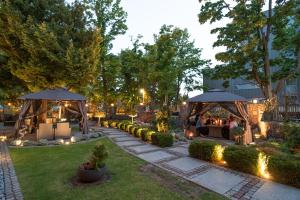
154	138
206	150
104	123
144	133
48	50
292	135
285	169
162	118
242	158
165	139
98	156
247	37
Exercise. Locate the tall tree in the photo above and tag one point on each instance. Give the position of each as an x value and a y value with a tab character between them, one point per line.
248	37
48	43
110	18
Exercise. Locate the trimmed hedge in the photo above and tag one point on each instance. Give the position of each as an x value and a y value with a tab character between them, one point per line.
104	123
113	124
154	138
204	150
242	158
165	140
285	169
144	134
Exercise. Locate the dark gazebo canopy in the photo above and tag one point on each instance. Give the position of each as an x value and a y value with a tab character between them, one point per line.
35	104
58	94
215	96
233	103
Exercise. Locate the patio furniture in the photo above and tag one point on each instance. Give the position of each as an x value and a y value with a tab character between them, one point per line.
45	131
63	130
215	131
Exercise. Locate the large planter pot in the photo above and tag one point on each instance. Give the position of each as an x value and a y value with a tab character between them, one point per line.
91	175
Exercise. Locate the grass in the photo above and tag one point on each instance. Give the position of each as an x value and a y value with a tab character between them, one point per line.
45	173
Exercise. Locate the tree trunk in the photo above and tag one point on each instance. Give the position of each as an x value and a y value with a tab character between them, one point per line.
104	88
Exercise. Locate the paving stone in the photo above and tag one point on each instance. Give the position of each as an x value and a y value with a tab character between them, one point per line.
115	133
218	180
276	191
185	164
181	150
142	149
156	156
127	138
129	143
117	136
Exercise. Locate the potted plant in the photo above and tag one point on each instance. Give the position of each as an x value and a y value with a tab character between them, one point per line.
95	168
238	133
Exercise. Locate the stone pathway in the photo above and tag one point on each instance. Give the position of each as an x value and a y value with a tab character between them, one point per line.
9	185
230	183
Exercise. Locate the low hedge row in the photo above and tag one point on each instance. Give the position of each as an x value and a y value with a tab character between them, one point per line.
283	168
147	135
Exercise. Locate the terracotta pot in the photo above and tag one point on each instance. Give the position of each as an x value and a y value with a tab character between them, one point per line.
91	175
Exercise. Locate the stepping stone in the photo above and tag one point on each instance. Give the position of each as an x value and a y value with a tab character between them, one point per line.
114	133
181	150
156	156
126	138
128	143
218	180
185	164
276	191
117	136
143	149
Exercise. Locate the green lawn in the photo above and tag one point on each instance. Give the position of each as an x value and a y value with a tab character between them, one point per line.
44	173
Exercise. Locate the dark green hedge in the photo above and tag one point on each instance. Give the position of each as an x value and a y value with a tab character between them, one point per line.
165	140
203	150
285	169
242	158
154	138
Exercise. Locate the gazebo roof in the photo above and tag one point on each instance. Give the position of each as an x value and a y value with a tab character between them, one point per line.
215	96
54	94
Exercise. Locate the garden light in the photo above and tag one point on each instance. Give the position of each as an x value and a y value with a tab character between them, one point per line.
18	142
262	163
3	138
184	103
218	153
73	139
255	101
9	104
112	105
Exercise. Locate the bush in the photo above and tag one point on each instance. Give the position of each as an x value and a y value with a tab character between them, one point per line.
113	124
285	169
154	138
104	124
148	136
206	150
242	158
144	134
165	140
119	124
131	129
128	126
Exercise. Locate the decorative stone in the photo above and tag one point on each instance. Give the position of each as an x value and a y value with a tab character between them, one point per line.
30	143
43	142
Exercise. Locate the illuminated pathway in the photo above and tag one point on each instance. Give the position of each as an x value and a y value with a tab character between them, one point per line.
229	183
9	185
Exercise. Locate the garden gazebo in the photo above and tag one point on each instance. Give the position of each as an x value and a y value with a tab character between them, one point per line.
233	103
36	105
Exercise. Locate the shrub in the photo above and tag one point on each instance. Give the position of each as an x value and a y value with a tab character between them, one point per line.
128	126
148	135
138	132
165	139
104	124
113	124
206	150
131	129
97	158
144	134
154	138
242	158
285	169
119	124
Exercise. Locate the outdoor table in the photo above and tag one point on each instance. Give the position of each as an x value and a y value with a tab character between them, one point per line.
215	131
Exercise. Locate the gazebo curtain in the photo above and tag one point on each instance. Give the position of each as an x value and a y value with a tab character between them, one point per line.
82	108
243	112
22	114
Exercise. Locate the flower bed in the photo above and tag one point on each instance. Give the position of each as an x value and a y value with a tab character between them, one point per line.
280	167
145	133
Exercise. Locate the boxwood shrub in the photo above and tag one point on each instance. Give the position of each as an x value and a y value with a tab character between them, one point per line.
285	169
154	138
131	129
242	158
144	132
165	140
204	150
128	126
119	124
113	124
104	124
148	135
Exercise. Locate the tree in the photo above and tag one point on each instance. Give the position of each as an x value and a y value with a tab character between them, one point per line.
48	44
110	18
247	38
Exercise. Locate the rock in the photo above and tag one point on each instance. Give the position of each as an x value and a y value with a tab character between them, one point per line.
94	135
85	137
16	142
59	141
30	143
75	139
43	142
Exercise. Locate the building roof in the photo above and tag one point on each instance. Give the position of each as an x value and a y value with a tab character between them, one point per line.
214	96
54	94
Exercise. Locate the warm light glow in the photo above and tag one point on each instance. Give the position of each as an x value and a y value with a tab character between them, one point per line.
86	105
9	104
262	163
191	135
141	104
18	142
67	142
73	139
112	105
66	105
218	153
184	103
61	141
142	91
255	101
224	162
257	135
3	138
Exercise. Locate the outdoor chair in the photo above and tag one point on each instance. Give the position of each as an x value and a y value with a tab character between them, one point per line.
63	130
45	131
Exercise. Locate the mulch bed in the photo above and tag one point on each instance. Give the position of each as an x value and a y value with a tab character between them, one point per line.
76	183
